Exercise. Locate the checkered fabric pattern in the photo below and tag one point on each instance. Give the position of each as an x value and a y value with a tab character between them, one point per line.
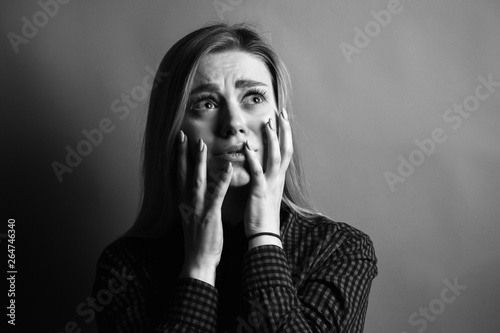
318	282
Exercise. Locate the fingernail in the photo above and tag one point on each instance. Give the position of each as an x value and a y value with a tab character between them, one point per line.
182	137
270	124
247	145
284	114
228	167
200	145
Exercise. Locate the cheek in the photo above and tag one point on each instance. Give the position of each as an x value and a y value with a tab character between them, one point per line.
194	132
191	129
259	127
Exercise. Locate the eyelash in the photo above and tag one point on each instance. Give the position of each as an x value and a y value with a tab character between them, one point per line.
253	91
201	98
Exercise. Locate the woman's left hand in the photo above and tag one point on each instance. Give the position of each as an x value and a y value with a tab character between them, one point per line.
262	213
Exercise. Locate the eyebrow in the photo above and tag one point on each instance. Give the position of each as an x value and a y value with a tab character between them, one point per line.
212	87
249	84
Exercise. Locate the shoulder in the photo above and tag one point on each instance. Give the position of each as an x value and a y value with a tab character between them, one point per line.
320	230
317	240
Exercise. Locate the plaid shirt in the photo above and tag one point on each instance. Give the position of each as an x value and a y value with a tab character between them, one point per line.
318	282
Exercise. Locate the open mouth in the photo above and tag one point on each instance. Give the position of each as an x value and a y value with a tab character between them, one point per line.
233	154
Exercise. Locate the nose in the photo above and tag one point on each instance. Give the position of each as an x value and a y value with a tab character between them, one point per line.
233	120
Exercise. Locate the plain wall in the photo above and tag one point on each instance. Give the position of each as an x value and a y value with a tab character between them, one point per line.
358	115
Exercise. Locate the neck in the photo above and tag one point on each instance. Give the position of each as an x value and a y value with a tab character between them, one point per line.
233	208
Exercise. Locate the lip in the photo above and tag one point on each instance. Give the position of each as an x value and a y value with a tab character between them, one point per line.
233	149
233	153
238	157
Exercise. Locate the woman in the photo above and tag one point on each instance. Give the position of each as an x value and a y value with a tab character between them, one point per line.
226	239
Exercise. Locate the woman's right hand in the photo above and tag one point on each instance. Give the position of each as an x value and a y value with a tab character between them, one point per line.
200	211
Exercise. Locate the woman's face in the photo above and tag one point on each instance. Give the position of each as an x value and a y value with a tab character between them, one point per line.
230	102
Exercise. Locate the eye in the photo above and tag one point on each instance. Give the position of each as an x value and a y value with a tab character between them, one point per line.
255	96
204	103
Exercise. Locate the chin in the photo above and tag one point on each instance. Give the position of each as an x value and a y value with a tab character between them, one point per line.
241	177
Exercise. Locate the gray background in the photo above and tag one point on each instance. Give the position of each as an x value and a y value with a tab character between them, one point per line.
356	119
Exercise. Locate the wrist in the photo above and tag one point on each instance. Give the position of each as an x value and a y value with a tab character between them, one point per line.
264	240
203	273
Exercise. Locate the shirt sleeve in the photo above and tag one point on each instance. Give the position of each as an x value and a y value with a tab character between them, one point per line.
129	306
193	307
333	297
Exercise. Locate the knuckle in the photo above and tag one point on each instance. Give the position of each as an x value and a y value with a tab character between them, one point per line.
218	191
227	176
181	179
197	184
210	188
209	216
257	173
276	159
216	194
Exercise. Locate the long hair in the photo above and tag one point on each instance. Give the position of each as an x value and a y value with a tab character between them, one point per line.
159	202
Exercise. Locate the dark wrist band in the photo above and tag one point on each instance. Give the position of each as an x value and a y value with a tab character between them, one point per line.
263	234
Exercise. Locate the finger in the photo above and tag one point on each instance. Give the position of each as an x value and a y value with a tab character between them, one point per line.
220	189
286	143
182	145
256	172
200	176
273	162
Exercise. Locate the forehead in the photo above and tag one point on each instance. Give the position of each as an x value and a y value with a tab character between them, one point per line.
231	65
